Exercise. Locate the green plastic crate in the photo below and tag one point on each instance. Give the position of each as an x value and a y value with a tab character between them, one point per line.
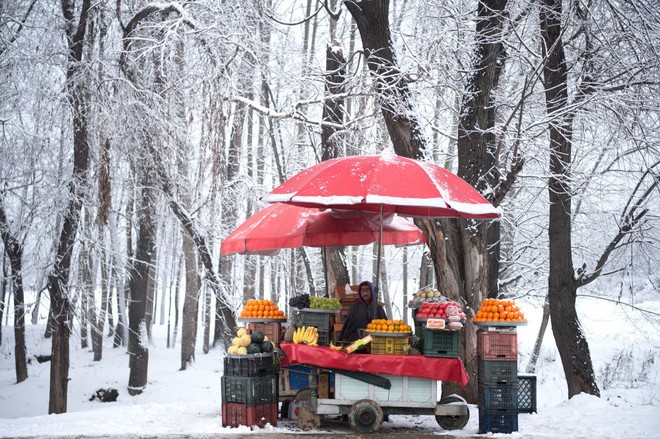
440	343
249	390
526	393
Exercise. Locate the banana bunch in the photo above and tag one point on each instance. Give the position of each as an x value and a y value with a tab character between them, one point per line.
308	335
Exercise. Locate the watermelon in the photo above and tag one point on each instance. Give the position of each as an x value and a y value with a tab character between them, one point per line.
253	348
257	337
266	346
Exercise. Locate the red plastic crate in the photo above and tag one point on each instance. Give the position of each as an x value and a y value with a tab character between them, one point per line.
272	330
235	414
495	345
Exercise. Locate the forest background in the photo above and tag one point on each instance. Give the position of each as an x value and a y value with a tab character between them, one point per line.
135	136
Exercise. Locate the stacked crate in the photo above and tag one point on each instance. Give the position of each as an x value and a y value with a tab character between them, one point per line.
319	319
346	300
272	330
498	380
440	343
249	390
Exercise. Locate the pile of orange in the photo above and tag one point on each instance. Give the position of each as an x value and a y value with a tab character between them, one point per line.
494	310
382	325
264	309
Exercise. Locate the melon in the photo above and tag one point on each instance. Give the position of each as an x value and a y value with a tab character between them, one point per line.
253	348
233	350
241	331
242	350
257	337
245	340
236	341
266	346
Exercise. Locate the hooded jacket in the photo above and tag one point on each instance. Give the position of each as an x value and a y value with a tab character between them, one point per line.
360	314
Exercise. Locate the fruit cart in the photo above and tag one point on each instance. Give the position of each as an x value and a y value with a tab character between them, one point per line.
369	387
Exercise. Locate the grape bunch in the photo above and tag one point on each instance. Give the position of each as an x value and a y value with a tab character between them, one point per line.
324	303
300	302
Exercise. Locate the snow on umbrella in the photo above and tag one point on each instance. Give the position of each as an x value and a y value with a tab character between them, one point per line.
390	183
285	226
384	183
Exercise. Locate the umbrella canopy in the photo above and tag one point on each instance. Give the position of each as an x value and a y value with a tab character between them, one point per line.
286	226
389	182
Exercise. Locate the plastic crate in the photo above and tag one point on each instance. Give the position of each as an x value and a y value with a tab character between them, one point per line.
324	337
299	377
318	319
499	398
236	414
526	393
493	372
251	365
496	345
250	391
271	330
440	343
497	422
384	345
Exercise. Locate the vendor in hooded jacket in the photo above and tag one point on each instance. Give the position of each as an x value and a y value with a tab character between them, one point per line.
362	312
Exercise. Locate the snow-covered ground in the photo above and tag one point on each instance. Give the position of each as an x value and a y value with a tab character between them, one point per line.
624	345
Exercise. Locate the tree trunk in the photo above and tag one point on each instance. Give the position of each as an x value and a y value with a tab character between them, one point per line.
88	283
403	126
3	293
562	285
151	290
190	304
207	320
121	283
333	113
531	366
138	348
59	277
177	301
105	286
14	251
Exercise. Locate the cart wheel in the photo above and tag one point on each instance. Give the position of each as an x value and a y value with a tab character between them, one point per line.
453	422
365	416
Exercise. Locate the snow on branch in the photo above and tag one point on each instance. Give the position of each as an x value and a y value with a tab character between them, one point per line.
630	219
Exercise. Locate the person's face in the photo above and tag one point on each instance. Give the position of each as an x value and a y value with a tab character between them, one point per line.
365	293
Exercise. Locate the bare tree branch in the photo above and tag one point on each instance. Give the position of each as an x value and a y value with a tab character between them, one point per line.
629	220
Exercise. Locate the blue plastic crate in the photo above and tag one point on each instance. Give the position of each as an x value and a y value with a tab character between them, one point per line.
299	377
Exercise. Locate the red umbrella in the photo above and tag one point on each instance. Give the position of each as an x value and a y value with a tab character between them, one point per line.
285	226
389	182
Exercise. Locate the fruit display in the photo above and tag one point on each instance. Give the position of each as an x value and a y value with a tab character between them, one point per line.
439	310
382	325
245	343
330	303
494	310
300	301
426	294
261	309
308	335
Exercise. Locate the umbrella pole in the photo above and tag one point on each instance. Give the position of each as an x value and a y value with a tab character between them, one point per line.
380	248
325	270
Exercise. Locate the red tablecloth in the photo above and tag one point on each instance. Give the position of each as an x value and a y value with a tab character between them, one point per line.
439	369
